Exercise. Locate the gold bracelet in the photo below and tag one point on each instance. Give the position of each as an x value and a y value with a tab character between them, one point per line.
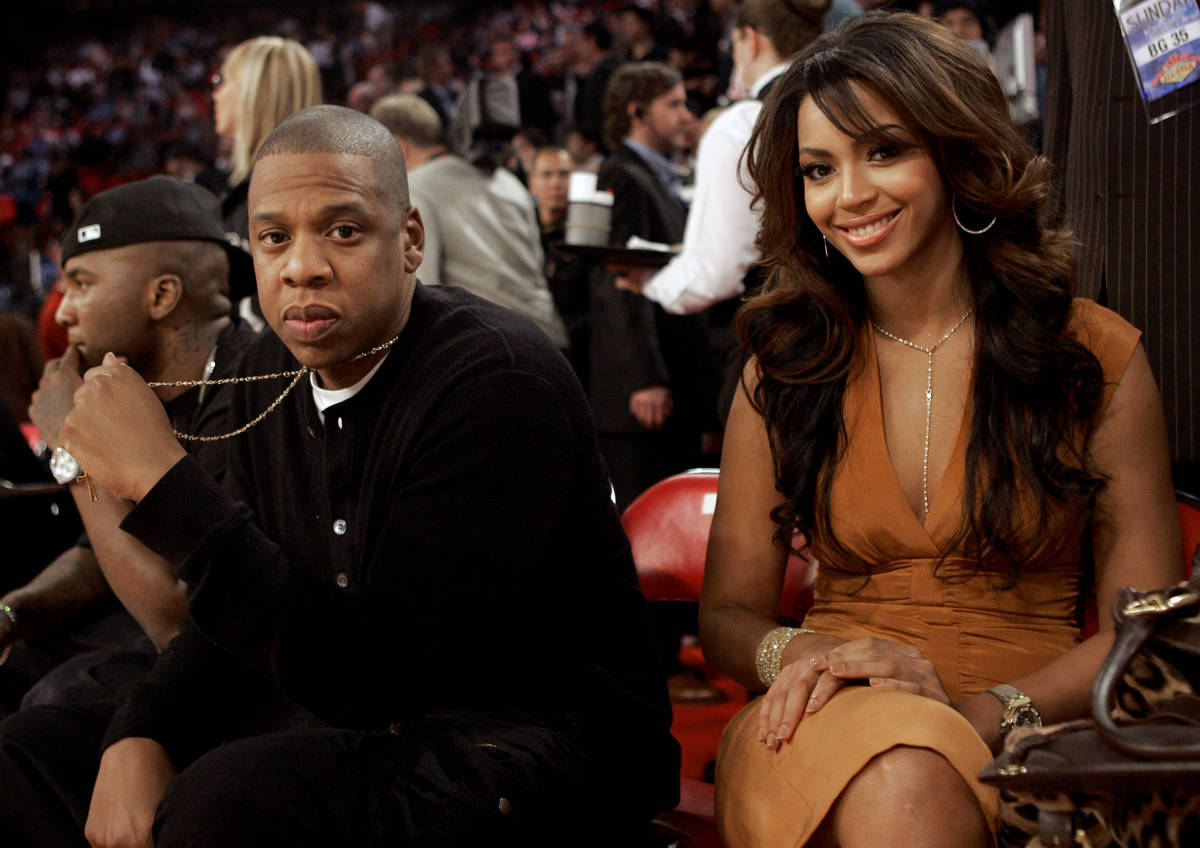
769	658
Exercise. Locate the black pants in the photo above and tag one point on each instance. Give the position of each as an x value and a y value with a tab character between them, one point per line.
446	780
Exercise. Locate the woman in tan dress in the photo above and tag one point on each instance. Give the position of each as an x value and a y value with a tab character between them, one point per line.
953	434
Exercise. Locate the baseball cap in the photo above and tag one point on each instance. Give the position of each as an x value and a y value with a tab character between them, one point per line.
157	209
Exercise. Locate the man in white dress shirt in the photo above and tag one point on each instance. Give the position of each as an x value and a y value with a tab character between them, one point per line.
718	242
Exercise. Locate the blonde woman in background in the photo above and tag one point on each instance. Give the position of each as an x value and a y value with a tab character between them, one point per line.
261	82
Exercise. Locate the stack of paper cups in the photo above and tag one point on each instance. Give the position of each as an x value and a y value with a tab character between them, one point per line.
589	212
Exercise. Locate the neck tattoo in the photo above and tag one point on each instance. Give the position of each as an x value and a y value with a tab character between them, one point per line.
296	375
928	351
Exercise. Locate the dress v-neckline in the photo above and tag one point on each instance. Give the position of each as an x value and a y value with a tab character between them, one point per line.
933	527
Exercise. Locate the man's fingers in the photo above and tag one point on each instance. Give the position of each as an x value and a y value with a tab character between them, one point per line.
106	369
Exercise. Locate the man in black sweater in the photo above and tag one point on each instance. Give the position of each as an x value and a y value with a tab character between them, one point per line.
415	616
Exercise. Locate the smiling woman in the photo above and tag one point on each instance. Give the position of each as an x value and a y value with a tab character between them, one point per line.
948	430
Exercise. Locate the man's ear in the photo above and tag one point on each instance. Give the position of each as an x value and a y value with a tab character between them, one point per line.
163	294
635	111
414	240
756	42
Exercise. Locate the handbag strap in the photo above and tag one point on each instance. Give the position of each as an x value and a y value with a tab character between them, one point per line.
1139	617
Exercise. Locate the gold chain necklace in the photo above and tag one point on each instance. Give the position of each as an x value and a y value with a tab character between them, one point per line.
928	351
296	375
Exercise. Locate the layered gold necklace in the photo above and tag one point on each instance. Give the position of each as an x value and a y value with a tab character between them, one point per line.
297	375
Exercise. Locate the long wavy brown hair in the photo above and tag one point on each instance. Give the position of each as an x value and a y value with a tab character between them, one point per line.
1035	391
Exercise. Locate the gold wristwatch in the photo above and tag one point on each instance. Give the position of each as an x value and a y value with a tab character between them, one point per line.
1019	710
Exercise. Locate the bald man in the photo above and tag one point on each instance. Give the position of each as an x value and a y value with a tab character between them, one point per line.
416	617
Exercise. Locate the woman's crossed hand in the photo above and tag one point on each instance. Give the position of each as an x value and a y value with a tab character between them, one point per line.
825	665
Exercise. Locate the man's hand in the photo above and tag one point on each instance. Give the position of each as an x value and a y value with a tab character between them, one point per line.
134	773
651	406
119	432
54	396
629	278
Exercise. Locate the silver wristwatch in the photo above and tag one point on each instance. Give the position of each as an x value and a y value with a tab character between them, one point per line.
1019	710
63	466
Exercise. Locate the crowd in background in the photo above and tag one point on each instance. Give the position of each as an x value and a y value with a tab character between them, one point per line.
115	105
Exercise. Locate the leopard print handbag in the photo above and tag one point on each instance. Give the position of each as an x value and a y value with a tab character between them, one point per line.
1130	776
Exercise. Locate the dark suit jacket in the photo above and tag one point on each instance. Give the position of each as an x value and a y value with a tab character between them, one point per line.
589	97
634	343
442	107
1132	195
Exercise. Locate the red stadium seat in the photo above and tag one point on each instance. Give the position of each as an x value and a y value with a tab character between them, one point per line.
668	528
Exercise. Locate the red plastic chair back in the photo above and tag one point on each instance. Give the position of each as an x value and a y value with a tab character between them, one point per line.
668	528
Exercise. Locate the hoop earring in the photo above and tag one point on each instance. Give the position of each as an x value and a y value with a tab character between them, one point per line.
826	241
954	211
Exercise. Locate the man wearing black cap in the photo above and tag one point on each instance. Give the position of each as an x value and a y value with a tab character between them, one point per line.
148	277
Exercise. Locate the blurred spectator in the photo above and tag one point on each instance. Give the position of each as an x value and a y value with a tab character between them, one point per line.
260	83
22	360
718	246
482	232
596	64
383	78
497	103
549	179
635	30
586	149
840	10
652	381
184	161
436	70
970	20
525	145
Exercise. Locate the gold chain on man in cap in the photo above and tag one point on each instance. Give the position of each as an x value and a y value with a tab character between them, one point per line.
296	375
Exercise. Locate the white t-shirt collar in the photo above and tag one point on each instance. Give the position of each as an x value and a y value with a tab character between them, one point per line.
325	398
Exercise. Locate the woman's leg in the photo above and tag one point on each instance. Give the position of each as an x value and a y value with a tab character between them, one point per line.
905	796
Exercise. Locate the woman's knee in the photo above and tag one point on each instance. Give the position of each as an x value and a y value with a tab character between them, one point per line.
909	789
906	772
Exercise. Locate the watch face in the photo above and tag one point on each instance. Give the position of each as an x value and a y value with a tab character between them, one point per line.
63	466
1026	717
